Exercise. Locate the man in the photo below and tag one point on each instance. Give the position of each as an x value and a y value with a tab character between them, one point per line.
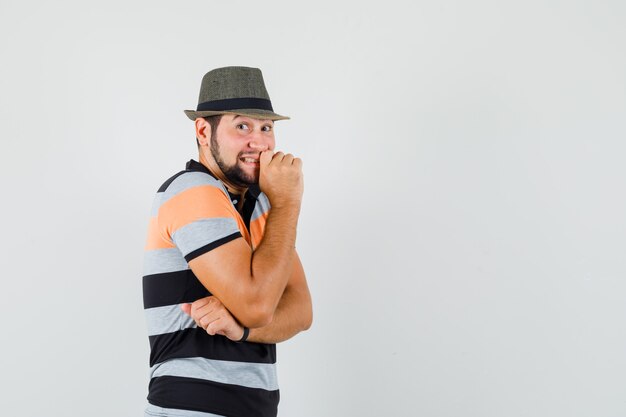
222	237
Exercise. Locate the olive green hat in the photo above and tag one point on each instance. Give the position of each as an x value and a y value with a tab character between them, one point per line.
234	90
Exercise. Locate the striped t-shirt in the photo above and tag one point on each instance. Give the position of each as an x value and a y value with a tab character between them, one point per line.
191	370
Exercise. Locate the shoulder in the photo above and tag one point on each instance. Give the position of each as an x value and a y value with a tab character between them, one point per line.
189	185
185	180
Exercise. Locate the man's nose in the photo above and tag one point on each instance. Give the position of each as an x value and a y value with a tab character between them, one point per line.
259	144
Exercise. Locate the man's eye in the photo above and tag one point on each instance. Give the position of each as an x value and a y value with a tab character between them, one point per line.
242	126
267	128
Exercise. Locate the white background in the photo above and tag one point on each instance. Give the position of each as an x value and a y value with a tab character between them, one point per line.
463	226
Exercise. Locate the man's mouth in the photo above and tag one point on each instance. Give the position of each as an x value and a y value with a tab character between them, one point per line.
249	160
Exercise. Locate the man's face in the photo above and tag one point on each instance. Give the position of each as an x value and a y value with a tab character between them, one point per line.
237	146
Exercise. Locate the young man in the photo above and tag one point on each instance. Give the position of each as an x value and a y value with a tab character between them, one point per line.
222	237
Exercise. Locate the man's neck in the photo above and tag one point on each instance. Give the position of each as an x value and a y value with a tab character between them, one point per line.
212	166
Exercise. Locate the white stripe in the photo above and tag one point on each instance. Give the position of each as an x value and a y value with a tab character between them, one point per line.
160	261
245	374
262	206
156	204
167	319
201	232
154	411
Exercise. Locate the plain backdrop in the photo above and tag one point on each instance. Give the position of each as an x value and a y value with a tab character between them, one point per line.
462	232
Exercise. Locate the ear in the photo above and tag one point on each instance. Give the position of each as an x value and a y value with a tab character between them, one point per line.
203	131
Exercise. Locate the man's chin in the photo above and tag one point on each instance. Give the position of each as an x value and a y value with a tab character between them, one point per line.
246	180
249	176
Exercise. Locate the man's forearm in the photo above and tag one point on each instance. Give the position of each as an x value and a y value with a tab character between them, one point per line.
272	261
293	315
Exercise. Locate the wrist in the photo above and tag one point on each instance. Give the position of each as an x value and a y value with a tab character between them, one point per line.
244	337
291	205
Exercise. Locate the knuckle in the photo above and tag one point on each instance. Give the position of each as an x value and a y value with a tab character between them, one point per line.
198	304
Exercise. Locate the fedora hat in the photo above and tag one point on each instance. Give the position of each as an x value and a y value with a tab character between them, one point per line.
234	90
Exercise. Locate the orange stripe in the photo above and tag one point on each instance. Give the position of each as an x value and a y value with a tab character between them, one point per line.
155	239
257	229
202	202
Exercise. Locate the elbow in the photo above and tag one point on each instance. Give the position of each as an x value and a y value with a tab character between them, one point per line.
257	315
308	319
307	324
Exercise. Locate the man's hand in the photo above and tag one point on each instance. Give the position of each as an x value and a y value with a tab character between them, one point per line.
210	314
280	178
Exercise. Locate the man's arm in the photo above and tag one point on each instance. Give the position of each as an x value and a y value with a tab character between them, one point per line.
293	314
251	284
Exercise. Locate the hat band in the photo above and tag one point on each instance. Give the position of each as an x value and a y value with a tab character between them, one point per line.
236	103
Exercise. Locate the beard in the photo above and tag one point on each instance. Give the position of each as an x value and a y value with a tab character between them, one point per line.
234	173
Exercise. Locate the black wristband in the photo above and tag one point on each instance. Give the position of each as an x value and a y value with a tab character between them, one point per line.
246	333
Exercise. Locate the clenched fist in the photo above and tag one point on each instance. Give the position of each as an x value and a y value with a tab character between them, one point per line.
280	178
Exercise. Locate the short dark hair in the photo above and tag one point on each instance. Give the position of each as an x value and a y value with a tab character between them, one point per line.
214	121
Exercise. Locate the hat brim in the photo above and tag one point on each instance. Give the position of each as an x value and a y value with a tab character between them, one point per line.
254	113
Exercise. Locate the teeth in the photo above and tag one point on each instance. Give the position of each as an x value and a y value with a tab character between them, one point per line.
249	160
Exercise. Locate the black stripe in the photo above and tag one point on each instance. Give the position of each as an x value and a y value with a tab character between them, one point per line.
204	249
196	342
212	397
248	209
254	190
193	166
236	103
172	288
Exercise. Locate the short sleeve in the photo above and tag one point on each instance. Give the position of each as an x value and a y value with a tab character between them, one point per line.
197	215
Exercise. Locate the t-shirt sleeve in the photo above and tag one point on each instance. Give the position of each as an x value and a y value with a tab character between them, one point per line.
198	219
